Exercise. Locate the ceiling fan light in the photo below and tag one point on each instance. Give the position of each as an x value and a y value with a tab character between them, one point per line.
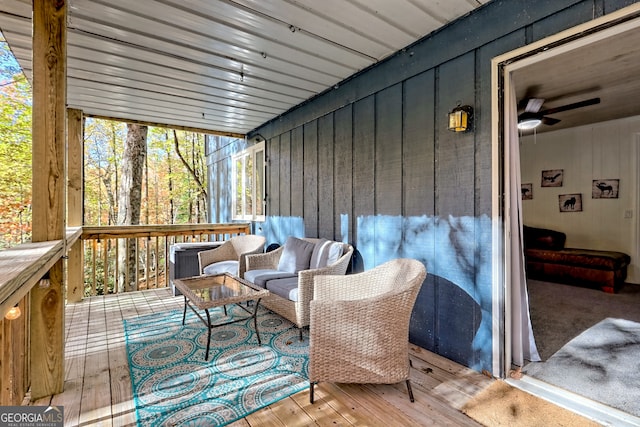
530	123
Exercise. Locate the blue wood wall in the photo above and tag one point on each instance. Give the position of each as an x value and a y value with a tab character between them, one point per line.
372	163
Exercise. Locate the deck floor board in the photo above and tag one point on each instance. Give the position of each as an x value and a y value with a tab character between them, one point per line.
98	387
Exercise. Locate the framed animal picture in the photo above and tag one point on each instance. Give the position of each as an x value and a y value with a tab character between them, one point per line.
552	178
527	191
570	202
605	188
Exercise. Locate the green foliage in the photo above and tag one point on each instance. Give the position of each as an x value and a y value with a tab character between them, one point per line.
171	194
15	152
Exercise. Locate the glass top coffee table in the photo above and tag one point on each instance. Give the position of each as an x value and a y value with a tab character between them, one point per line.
207	292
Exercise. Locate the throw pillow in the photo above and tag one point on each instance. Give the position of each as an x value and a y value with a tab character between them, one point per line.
335	252
319	255
296	255
325	252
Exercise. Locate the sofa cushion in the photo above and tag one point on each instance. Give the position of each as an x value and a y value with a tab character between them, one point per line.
220	267
260	277
325	252
296	255
599	260
542	238
285	288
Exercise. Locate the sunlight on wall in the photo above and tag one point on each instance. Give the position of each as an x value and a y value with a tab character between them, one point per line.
457	249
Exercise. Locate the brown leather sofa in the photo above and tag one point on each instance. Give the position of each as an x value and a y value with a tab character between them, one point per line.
547	259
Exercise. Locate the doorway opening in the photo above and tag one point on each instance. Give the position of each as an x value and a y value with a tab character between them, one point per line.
562	70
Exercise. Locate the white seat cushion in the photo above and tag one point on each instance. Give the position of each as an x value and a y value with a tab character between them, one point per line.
230	267
260	277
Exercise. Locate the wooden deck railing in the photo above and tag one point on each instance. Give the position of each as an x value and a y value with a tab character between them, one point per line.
25	266
106	270
21	268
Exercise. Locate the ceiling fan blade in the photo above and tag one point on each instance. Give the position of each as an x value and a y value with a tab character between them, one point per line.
534	105
549	121
573	106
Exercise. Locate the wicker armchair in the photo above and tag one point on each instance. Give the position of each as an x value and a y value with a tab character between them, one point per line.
359	331
297	312
231	255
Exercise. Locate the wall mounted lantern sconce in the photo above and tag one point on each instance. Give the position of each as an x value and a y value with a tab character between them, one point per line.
461	118
259	138
13	313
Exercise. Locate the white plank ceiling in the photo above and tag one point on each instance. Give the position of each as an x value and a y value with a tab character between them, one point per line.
222	65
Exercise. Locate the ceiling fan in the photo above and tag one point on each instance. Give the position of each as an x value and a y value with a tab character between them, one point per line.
533	117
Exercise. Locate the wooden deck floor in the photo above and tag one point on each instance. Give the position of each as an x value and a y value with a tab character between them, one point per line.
98	388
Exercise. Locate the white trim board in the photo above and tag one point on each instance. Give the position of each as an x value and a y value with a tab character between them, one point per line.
588	408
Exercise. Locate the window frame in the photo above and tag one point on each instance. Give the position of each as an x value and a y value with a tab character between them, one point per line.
256	151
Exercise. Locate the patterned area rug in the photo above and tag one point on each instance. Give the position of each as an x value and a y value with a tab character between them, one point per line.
174	385
601	363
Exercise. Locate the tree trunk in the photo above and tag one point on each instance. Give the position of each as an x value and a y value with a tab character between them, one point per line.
129	203
202	190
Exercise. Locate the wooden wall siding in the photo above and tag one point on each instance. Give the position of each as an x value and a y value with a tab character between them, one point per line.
363	174
310	171
418	146
284	175
570	17
297	173
219	152
325	173
402	184
343	174
273	182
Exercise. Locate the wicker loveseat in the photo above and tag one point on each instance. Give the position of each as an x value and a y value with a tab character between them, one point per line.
288	273
547	259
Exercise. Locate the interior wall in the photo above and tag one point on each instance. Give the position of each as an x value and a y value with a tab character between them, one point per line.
601	151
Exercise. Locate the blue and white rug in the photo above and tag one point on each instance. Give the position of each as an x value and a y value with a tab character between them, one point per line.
174	385
601	363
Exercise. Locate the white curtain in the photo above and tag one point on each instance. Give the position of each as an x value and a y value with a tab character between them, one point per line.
523	345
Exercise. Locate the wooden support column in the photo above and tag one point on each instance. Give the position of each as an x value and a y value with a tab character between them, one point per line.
75	190
49	174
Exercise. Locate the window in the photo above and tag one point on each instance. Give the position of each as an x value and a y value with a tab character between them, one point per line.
248	183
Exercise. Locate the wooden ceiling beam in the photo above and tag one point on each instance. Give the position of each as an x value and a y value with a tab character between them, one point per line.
176	127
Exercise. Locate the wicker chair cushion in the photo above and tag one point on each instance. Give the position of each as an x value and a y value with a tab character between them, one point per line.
260	277
285	288
325	253
296	255
230	267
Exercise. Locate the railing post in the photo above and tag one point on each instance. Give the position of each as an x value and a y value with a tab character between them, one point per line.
75	167
49	175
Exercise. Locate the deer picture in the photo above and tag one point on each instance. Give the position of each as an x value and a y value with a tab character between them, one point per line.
605	188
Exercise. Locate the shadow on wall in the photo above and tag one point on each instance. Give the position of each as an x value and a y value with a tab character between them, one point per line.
457	320
452	315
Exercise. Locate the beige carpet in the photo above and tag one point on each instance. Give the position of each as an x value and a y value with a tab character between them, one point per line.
503	405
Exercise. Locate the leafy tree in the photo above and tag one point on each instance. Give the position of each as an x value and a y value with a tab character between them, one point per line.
15	151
